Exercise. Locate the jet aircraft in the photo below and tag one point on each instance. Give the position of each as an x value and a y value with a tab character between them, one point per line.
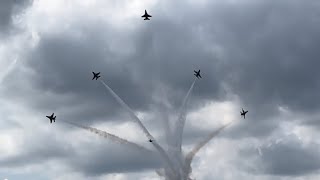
197	74
52	118
150	140
243	113
95	75
146	15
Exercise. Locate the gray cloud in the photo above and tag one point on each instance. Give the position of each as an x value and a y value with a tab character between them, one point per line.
291	157
106	159
272	55
8	9
264	51
37	148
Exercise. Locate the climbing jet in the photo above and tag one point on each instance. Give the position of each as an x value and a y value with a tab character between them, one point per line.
95	75
197	74
146	15
52	118
243	113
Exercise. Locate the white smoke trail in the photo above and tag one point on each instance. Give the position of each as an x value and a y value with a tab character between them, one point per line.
162	152
112	137
185	165
8	70
125	106
179	126
193	152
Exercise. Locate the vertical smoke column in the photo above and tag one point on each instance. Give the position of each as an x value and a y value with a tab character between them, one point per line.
174	139
179	126
137	120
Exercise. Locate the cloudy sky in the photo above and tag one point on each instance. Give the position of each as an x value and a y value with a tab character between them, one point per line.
257	54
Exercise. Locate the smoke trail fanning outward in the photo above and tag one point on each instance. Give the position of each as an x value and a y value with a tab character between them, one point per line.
162	152
112	137
177	165
125	106
194	151
179	126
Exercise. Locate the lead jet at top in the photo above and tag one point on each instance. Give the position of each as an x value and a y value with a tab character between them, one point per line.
52	118
243	113
146	15
197	74
95	75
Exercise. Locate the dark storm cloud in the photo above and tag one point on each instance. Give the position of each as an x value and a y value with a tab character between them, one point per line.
8	9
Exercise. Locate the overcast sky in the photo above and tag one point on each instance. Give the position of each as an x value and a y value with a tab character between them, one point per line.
260	55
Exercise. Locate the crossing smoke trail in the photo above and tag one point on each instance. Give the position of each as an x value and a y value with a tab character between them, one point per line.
179	126
177	165
112	137
162	152
186	167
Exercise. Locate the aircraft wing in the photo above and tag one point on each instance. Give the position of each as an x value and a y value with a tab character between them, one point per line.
200	76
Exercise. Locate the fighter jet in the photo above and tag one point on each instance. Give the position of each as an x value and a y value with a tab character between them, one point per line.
95	75
197	74
146	15
52	118
243	113
150	140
